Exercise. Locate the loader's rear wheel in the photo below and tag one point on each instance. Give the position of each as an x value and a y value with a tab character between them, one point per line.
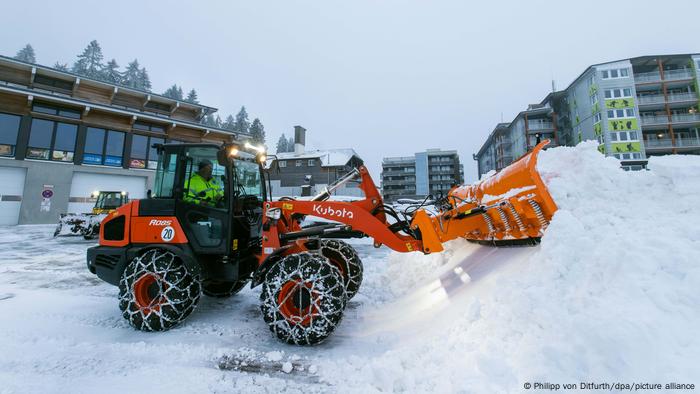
303	298
219	289
156	291
344	256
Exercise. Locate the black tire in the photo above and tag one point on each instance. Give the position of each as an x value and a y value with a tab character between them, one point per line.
344	256
303	298
156	291
218	289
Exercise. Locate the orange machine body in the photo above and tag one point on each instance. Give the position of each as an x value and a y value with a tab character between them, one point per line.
142	229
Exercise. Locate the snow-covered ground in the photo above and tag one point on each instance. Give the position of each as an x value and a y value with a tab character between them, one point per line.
610	295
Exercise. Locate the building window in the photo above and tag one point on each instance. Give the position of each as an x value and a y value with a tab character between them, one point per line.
58	111
50	82
311	163
103	147
149	127
298	163
615	73
9	128
597	117
143	154
621	113
282	163
617	93
49	140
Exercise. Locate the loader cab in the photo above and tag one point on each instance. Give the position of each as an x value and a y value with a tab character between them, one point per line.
106	202
218	203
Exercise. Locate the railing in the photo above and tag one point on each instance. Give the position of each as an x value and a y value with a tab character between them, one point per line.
672	98
539	125
651	99
672	75
668	143
684	118
503	141
652	76
399	183
654	120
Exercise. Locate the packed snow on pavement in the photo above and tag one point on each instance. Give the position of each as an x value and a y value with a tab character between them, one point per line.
609	295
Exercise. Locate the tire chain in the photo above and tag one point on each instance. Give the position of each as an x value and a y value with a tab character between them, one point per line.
180	297
326	280
353	269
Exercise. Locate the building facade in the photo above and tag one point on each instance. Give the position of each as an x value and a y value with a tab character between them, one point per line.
634	108
63	136
432	172
307	172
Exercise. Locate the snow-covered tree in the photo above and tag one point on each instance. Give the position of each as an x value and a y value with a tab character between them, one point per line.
61	66
130	77
111	72
89	62
217	122
257	131
242	124
26	54
192	97
174	92
290	144
229	123
282	144
144	80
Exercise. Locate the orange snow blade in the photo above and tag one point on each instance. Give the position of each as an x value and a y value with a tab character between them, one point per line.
511	207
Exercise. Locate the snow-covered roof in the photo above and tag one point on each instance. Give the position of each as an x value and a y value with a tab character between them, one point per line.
329	157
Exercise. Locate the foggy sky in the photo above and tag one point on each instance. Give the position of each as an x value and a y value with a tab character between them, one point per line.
387	78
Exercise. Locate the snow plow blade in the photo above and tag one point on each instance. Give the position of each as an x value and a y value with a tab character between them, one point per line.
83	224
511	207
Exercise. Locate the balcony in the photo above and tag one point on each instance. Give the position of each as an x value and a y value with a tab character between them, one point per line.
670	75
533	125
503	142
651	99
653	76
667	143
685	118
662	120
675	75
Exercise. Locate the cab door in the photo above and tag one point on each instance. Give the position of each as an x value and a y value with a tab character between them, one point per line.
206	221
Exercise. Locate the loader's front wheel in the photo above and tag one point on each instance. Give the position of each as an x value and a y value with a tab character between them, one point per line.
303	298
344	256
219	289
156	291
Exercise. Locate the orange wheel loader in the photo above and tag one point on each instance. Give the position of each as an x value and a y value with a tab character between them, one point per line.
209	226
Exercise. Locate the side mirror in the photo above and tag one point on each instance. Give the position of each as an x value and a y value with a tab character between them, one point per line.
223	158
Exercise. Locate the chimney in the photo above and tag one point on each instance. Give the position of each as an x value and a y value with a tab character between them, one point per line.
299	139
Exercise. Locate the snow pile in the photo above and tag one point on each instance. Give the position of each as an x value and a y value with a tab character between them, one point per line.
611	294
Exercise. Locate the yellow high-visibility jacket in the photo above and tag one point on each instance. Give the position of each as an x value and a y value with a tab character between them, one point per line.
199	190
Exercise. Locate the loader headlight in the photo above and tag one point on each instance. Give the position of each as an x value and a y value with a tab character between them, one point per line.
95	194
273	213
233	152
262	158
260	149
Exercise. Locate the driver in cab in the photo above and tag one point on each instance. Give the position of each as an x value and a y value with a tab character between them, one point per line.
202	188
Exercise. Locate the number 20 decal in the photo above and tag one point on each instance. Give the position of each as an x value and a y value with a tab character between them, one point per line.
167	234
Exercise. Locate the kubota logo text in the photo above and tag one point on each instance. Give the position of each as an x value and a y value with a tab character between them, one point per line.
156	222
328	211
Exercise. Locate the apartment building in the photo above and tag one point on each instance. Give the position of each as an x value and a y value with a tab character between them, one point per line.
63	136
634	108
432	172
